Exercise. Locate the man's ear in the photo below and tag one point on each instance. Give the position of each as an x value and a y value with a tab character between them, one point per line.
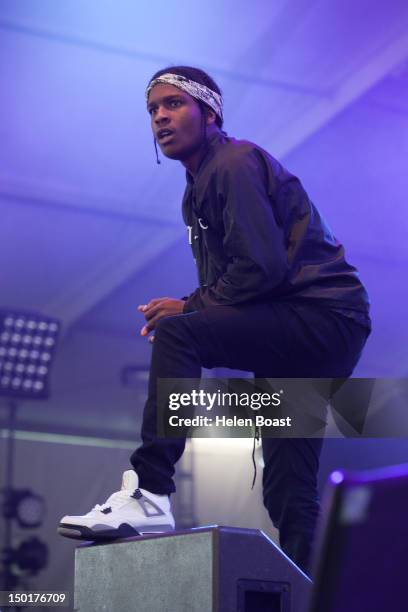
210	116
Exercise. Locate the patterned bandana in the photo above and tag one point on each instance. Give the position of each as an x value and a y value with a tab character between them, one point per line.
198	91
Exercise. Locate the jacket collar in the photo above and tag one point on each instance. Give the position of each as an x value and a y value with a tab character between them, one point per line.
212	142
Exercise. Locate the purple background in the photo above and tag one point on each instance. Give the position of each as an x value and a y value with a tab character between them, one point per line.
90	226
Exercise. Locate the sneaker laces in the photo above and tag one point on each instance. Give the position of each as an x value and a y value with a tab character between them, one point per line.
256	439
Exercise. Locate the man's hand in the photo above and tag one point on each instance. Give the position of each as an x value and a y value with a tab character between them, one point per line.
157	309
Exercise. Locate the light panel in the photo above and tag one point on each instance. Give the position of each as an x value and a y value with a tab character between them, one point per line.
27	345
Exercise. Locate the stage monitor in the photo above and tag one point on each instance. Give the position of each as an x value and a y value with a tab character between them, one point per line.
362	551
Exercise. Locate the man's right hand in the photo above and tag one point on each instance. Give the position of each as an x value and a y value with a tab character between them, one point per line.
157	309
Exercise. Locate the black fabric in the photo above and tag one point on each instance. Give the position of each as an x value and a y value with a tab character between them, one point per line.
272	340
256	236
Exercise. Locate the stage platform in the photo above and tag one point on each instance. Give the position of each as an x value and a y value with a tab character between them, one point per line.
208	569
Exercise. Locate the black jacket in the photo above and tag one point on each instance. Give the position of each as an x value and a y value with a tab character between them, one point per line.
256	236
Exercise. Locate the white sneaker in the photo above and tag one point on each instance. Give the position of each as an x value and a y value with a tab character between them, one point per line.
128	512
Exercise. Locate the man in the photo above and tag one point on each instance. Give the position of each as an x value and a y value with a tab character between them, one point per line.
276	298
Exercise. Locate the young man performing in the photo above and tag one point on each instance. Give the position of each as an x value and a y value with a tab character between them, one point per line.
276	298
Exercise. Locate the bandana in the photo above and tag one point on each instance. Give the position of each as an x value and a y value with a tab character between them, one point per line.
198	91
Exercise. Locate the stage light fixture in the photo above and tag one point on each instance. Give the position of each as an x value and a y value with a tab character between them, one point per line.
27	345
26	507
30	557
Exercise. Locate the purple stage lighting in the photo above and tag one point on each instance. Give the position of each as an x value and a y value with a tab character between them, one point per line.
336	477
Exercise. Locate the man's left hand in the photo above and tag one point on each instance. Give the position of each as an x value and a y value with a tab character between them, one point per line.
157	309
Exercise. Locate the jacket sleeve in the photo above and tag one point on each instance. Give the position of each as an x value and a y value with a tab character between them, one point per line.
253	241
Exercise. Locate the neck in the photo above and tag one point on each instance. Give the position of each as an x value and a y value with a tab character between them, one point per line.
193	162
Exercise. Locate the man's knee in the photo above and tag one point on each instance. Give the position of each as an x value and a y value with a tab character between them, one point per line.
187	331
171	327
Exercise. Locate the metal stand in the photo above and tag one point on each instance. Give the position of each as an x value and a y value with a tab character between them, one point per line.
9	580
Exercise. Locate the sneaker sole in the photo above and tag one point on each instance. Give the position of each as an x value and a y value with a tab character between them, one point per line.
80	532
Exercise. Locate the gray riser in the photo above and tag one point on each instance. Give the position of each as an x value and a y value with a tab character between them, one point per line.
203	570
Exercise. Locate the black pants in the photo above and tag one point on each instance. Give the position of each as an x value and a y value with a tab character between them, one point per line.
278	340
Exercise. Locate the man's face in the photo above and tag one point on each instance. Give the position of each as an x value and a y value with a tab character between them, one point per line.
176	121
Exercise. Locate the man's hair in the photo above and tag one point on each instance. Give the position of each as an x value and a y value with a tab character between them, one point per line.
194	74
